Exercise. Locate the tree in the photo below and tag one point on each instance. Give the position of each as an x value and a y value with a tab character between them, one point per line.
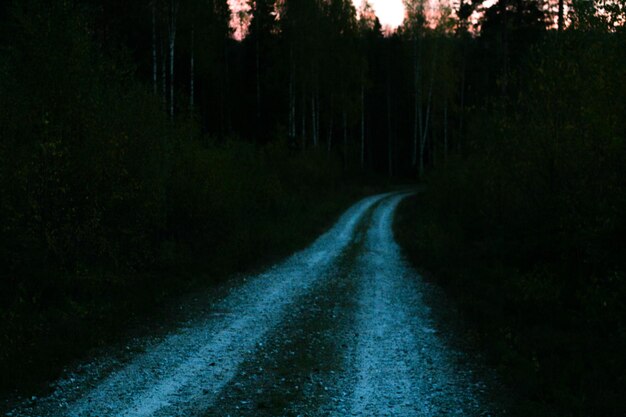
368	28
413	28
174	6
261	33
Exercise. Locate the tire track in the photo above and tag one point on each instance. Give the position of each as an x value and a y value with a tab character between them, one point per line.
299	368
193	364
402	366
338	329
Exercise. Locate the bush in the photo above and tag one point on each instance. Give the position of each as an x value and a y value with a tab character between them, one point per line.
527	232
107	205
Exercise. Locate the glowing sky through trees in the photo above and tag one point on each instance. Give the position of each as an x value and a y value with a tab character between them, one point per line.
389	12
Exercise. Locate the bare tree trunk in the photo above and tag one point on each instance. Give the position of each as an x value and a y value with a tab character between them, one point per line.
191	74
172	42
427	118
154	49
433	146
304	117
330	125
462	109
292	99
292	111
226	103
389	133
258	84
164	73
362	123
417	127
313	121
504	39
172	55
317	115
445	129
561	20
345	139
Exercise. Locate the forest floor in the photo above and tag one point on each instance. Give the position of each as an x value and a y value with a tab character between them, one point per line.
343	327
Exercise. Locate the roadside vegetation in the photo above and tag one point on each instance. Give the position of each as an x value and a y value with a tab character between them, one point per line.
147	147
527	230
107	207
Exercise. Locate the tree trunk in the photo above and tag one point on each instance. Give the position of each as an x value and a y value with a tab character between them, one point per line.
225	98
417	126
317	115
445	129
172	55
313	121
433	146
462	109
330	125
303	117
258	85
389	133
154	49
345	139
164	73
561	19
504	39
362	123
292	99
191	74
427	118
172	42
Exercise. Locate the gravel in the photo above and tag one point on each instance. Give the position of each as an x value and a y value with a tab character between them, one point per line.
340	328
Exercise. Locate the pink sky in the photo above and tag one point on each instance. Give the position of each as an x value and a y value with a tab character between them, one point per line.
389	12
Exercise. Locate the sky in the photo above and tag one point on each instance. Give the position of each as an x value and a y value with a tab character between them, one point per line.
389	12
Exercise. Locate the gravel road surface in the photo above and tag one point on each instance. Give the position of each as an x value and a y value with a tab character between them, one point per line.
342	328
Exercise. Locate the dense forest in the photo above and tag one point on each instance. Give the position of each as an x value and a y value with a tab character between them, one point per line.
143	137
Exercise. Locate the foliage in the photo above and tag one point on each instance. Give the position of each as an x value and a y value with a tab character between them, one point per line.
105	201
105	196
527	231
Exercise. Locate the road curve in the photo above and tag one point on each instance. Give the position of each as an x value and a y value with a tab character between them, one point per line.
403	367
339	328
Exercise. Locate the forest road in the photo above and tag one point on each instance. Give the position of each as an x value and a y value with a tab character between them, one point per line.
341	328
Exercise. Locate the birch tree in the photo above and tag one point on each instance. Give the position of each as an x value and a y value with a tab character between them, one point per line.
154	48
192	66
262	26
367	24
447	71
172	20
414	29
424	133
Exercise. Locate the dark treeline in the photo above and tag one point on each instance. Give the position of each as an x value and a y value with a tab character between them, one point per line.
524	224
140	136
315	75
135	162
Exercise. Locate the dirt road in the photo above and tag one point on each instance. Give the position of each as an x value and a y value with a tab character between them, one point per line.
339	329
